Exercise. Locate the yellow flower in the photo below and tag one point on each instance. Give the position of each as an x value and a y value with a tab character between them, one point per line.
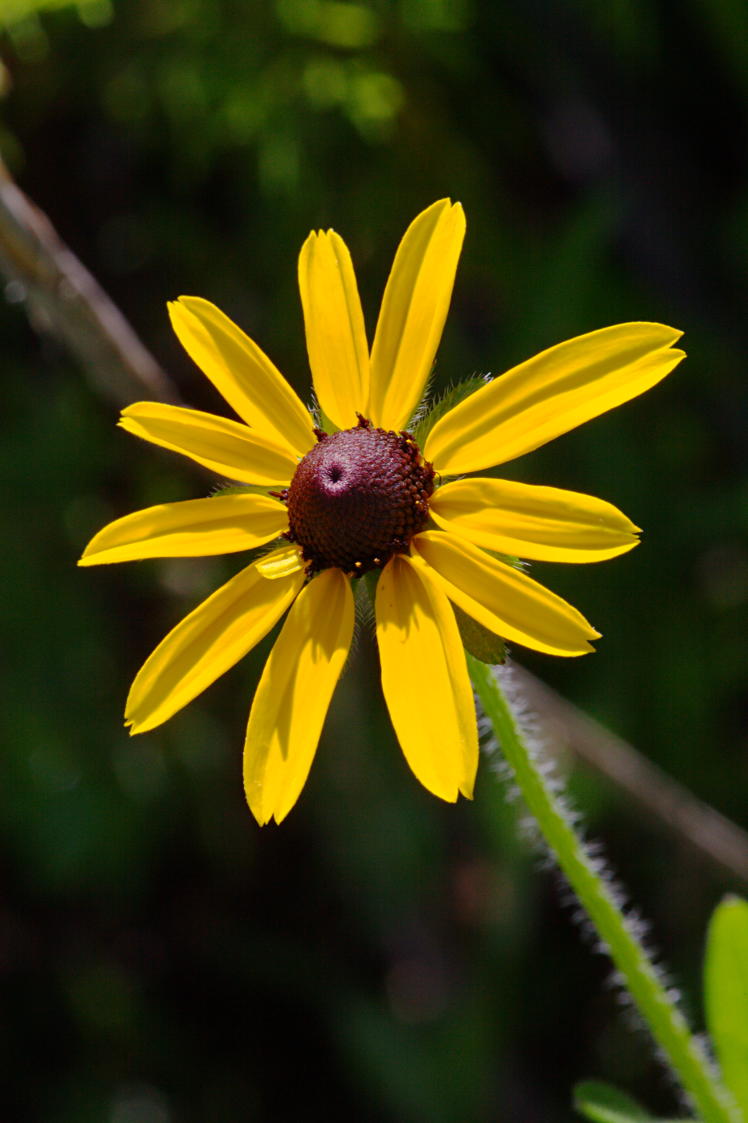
364	497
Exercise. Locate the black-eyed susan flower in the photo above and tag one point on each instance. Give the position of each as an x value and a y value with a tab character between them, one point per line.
360	496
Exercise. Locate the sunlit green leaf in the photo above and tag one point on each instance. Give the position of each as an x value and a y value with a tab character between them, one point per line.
94	13
346	25
601	1103
447	401
726	993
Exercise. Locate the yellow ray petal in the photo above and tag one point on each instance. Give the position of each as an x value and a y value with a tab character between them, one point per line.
215	636
550	394
543	523
425	679
335	333
193	528
242	373
414	308
281	562
294	694
503	599
226	447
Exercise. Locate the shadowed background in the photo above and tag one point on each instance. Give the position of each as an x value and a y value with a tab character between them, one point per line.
162	960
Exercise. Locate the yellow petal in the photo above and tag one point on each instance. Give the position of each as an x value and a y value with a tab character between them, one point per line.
226	447
425	679
335	333
193	528
548	395
503	599
294	694
414	308
543	523
215	636
242	373
281	563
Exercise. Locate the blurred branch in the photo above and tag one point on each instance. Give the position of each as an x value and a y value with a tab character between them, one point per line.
63	299
696	823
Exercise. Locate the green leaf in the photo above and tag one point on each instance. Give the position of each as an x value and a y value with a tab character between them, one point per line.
369	582
482	644
324	422
448	400
726	994
602	1103
238	489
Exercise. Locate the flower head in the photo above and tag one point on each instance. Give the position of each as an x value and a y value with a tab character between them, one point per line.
362	496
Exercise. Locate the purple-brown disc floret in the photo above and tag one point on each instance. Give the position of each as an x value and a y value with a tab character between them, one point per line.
357	498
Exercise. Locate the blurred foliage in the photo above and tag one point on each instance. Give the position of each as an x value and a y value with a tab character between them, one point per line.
161	959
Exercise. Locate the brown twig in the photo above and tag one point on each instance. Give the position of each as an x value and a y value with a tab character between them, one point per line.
63	298
704	829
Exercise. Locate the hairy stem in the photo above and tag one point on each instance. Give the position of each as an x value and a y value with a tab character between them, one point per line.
665	1021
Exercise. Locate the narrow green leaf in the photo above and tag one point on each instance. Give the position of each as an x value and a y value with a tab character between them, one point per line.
324	422
604	1104
483	645
239	489
601	1103
726	994
447	401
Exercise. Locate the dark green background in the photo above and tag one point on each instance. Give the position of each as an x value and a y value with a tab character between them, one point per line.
381	956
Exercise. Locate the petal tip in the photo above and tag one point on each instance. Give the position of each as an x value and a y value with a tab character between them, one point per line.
176	307
261	814
585	646
447	791
135	725
259	818
445	204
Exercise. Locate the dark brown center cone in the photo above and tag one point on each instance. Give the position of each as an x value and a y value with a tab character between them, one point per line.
358	498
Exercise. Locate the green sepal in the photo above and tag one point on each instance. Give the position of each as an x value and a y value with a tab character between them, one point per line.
240	489
726	993
482	644
602	1103
443	404
369	581
323	421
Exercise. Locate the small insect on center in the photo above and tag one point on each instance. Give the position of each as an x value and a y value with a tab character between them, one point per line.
358	498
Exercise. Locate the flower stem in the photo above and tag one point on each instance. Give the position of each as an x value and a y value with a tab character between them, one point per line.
666	1023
